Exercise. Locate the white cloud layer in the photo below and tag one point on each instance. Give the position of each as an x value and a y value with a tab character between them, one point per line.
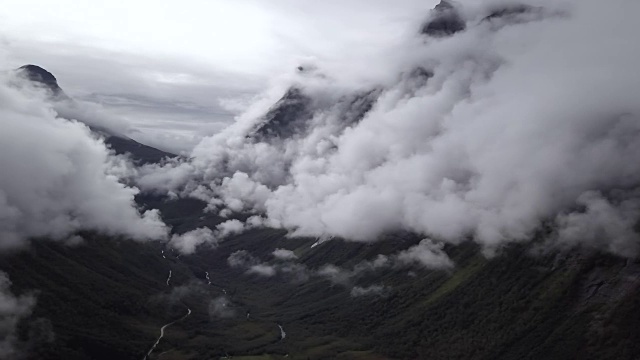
220	307
372	290
284	254
188	242
426	255
57	177
522	117
12	310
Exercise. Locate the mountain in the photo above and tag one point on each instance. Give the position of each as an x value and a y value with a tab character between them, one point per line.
292	114
263	294
40	76
140	153
107	299
445	20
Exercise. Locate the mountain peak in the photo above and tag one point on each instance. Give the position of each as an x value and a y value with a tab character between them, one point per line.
41	76
445	20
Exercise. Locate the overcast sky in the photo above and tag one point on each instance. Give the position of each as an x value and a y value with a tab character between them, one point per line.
179	70
528	117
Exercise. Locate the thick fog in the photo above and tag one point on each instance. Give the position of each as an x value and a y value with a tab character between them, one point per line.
528	116
58	177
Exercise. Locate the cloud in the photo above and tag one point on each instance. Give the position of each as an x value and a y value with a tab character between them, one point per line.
284	254
168	104
483	134
242	258
12	310
603	224
296	273
58	178
262	270
335	274
171	94
220	307
230	227
427	254
188	242
377	290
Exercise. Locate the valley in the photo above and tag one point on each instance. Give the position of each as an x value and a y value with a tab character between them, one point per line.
513	306
460	187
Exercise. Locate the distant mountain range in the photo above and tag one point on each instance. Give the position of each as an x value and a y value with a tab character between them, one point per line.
140	153
108	298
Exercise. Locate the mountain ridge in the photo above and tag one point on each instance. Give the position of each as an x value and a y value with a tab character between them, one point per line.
140	153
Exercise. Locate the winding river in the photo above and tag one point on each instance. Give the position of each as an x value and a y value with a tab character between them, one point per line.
162	333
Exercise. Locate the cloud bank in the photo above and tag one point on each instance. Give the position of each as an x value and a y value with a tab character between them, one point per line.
188	242
12	310
486	132
425	255
58	178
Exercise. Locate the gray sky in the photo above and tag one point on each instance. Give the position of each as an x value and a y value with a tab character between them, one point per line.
528	118
179	70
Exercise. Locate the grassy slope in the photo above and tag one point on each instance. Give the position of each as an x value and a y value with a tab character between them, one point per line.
514	306
99	296
103	302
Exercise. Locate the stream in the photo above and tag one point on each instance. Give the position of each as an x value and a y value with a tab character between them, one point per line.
162	332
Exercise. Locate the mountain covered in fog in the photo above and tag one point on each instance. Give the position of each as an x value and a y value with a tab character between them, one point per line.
469	195
119	143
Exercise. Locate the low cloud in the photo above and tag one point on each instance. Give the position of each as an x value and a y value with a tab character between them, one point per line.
427	255
603	223
13	309
230	227
188	242
486	133
58	178
373	290
221	307
284	254
262	270
242	258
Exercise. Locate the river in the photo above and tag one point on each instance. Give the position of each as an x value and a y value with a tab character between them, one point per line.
162	332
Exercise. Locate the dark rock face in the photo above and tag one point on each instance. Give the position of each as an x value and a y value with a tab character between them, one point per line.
292	114
358	106
287	117
139	153
509	10
445	20
42	77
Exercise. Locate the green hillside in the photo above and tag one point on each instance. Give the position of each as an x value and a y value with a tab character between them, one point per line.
107	299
